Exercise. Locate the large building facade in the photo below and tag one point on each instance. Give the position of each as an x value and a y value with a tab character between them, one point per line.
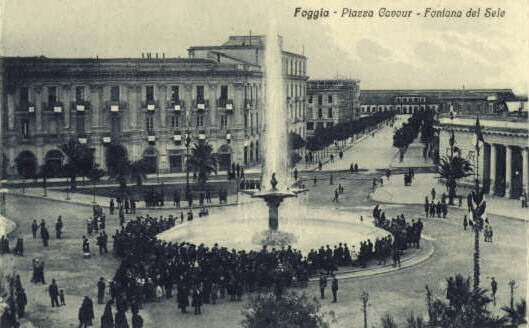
442	100
330	102
149	105
502	162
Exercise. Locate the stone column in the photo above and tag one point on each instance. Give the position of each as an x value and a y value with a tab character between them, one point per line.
525	164
188	100
238	105
11	108
508	171
38	109
95	101
162	100
492	168
132	105
212	103
66	105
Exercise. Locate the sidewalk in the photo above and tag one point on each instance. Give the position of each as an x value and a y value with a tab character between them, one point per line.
413	157
394	191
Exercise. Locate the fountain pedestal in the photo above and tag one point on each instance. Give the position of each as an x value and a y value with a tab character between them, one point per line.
273	199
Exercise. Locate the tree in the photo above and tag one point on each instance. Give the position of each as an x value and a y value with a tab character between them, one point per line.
516	315
453	169
295	141
467	307
94	176
289	311
79	159
26	163
117	163
203	161
45	171
138	171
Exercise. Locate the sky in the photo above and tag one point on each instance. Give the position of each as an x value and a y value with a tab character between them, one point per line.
383	53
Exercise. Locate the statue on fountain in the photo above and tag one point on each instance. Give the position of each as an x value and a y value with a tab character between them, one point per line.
273	181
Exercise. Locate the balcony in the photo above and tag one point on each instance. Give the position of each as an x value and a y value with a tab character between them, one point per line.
107	140
81	105
151	138
177	137
54	107
200	104
176	105
248	103
202	135
150	105
225	103
116	106
26	107
82	139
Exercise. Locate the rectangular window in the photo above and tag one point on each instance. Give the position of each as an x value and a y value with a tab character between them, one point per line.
329	99
149	93
53	127
114	93
320	113
200	121
310	125
115	125
330	124
149	123
223	121
200	93
174	121
245	121
24	95
329	112
25	128
175	94
224	92
79	94
310	99
52	95
320	100
319	125
79	124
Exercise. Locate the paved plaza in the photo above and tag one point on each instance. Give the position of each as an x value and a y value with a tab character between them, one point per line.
392	291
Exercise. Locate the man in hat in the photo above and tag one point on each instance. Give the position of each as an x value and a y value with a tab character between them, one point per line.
323	284
334	288
101	290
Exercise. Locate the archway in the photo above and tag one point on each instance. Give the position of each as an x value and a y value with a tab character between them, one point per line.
224	157
53	161
150	156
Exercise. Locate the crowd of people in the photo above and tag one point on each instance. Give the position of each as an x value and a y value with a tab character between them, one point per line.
16	300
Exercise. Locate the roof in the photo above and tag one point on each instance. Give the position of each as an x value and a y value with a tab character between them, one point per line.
432	95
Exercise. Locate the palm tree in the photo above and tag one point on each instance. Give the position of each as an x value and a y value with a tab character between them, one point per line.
138	170
452	169
516	315
78	159
203	161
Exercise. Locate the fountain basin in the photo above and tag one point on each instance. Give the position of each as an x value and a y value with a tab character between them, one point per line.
237	227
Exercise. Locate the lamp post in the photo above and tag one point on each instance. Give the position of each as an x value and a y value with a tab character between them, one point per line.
365	303
67	188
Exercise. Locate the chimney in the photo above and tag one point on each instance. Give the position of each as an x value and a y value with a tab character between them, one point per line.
142	55
156	55
163	55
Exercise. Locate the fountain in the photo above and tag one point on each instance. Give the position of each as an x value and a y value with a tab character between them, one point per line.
303	227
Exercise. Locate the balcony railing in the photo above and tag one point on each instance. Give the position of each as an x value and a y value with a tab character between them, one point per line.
225	103
201	104
81	105
176	105
55	107
116	106
26	107
150	105
248	103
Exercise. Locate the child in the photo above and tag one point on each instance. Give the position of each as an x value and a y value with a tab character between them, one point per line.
61	297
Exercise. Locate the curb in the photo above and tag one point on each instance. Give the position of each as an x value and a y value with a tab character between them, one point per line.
406	263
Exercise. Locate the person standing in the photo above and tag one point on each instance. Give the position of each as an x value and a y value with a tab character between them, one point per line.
334	288
323	285
107	320
494	289
53	291
22	301
86	313
44	234
34	229
137	320
101	290
58	228
336	195
112	206
121	320
465	223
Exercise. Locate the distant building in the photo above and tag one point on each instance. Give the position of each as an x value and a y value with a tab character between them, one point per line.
149	105
330	102
441	100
